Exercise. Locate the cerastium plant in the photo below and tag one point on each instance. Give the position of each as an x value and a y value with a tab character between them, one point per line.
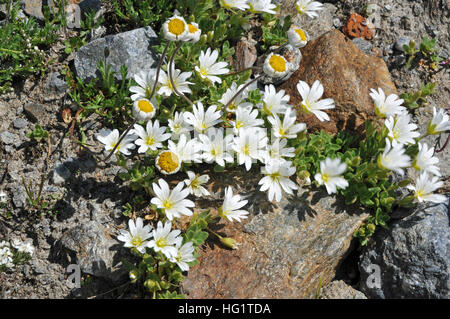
195	110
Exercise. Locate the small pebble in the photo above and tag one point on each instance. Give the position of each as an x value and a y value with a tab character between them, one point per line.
20	123
401	42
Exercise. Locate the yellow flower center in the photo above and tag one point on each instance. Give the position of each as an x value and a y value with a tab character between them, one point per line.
278	63
301	34
136	241
114	145
275	176
168	161
301	8
395	135
380	110
167	204
145	106
176	26
431	129
150	140
192	29
325	177
162	242
195	183
239	124
246	149
306	107
204	71
282	132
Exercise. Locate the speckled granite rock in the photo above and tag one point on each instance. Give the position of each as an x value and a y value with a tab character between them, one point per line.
413	256
338	289
132	48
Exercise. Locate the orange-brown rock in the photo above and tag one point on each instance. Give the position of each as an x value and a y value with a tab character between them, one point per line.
357	27
347	75
286	250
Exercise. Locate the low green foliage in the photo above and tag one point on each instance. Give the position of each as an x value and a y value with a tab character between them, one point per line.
38	133
275	32
426	50
413	100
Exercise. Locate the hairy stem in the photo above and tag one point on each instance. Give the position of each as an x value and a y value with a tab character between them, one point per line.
242	90
169	71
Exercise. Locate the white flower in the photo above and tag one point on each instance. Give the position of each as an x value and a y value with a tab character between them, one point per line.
240	99
201	120
151	137
215	146
401	131
24	247
287	128
175	29
208	68
394	158
277	179
274	102
238	4
275	65
277	151
231	207
165	240
311	102
3	197
425	187
145	83
425	161
6	256
137	235
259	6
172	202
246	118
179	79
297	37
194	33
184	255
168	162
439	123
386	106
144	109
308	7
178	125
110	139
249	146
187	150
194	184
331	171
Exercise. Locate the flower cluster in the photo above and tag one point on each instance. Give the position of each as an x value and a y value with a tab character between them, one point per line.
15	252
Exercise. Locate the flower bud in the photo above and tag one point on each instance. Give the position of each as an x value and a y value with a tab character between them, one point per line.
229	242
134	275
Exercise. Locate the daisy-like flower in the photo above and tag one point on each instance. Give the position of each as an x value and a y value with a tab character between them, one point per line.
194	33
401	131
201	120
165	240
277	179
425	187
240	99
260	6
246	118
439	123
231	207
6	256
208	67
287	128
214	146
110	139
394	158
179	79
386	106
151	137
144	109
145	81
276	151
231	4
178	125
24	247
137	235
194	184
425	161
275	65
274	102
186	150
175	29
311	102
249	146
331	171
3	197
184	255
308	7
297	37
168	162
172	202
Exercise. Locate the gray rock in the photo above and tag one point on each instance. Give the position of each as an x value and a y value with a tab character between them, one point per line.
413	256
132	48
338	289
60	174
401	42
55	82
35	7
9	138
34	112
96	252
20	123
363	45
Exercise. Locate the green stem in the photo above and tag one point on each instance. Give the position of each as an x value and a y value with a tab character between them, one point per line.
169	71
